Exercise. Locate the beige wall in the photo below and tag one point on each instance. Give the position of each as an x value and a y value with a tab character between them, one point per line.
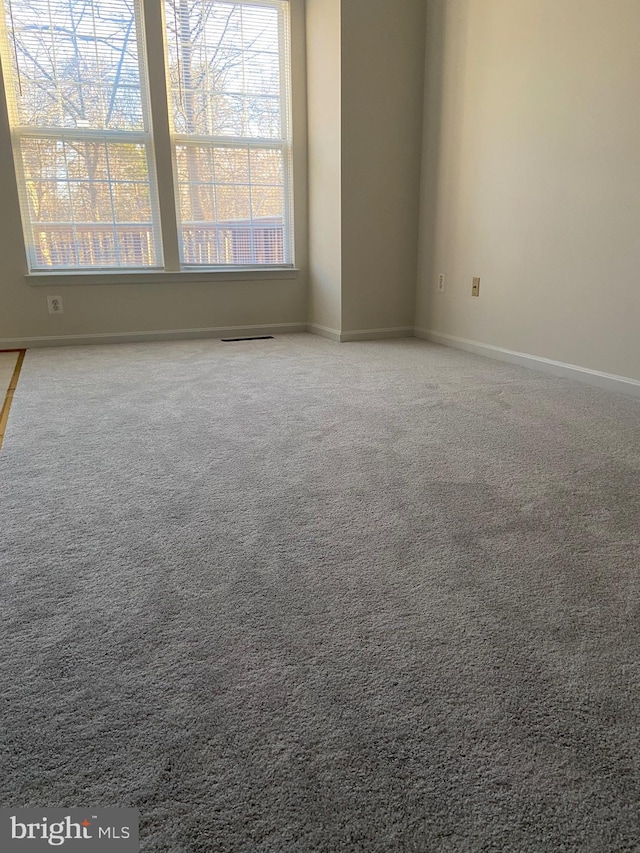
365	61
96	309
324	132
382	96
531	178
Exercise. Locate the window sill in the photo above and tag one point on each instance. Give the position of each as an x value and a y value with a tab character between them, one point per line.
81	277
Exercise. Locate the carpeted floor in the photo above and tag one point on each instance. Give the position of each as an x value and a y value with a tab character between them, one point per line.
297	596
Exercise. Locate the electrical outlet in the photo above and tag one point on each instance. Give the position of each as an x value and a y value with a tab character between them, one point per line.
475	287
441	283
55	304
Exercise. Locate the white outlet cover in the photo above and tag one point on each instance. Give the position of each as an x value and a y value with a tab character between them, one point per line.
55	304
441	283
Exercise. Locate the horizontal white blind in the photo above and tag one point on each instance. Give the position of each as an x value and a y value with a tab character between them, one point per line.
228	69
78	102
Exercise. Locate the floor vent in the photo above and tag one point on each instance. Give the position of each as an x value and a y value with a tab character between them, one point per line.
257	338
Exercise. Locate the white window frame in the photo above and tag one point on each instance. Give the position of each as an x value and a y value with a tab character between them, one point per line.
283	144
163	178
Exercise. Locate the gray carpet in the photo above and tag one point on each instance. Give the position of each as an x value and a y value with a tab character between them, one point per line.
298	596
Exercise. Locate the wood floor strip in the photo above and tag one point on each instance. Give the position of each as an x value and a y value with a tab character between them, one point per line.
6	406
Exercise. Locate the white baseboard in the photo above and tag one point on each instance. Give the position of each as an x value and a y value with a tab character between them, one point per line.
608	381
324	332
162	335
377	334
361	334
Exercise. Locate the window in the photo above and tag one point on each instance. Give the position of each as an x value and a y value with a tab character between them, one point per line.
230	130
79	83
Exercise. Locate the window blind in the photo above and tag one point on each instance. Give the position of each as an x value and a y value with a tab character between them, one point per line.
228	66
79	111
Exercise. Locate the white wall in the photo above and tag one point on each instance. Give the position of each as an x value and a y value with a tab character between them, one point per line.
531	178
123	309
365	62
382	96
325	159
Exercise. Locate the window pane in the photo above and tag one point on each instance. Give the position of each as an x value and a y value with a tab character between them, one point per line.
266	166
131	202
231	204
232	165
102	183
49	201
229	92
224	68
266	202
77	63
78	100
234	204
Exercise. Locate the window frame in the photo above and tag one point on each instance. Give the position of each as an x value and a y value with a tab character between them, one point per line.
152	35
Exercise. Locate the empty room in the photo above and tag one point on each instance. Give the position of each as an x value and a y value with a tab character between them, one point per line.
320	426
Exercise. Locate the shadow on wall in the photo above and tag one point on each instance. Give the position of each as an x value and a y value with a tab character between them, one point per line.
435	85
